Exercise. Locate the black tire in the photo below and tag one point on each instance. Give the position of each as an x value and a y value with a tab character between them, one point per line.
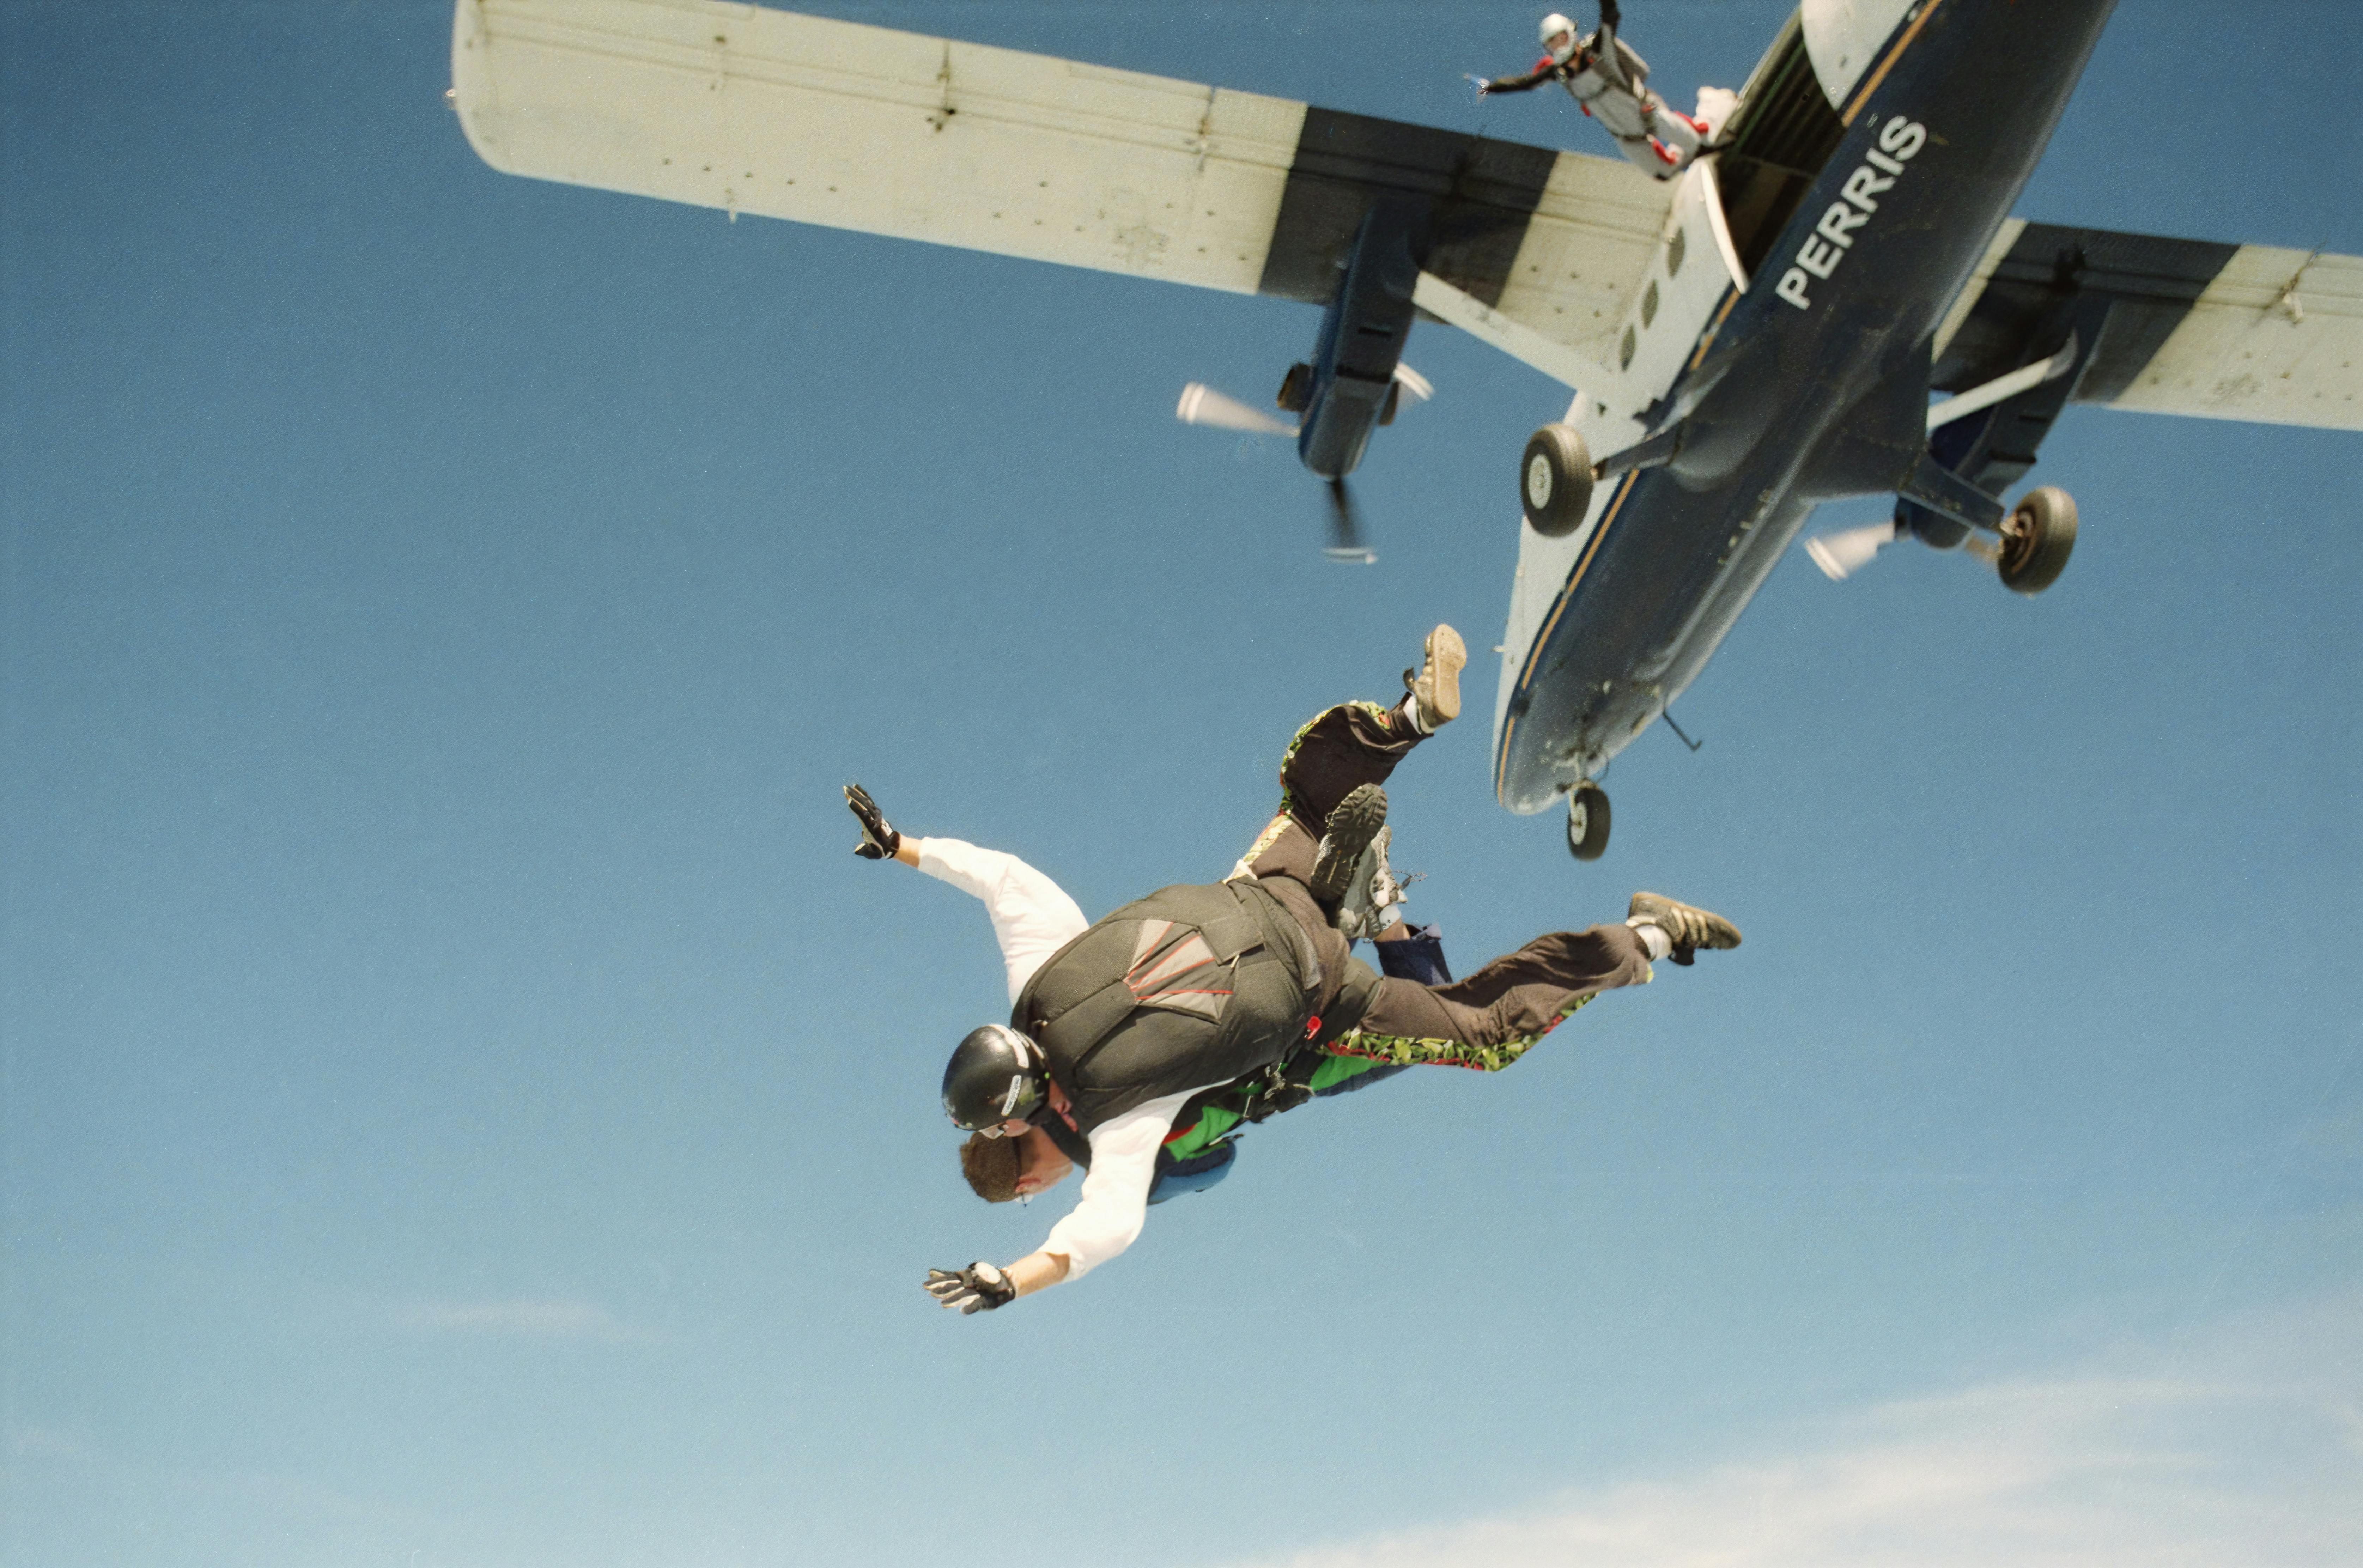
1555	480
2037	539
1296	388
1587	823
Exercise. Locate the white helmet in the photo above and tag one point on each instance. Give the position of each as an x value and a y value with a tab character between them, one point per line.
1556	26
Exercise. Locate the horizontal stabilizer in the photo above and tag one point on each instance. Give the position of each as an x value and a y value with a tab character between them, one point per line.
2253	332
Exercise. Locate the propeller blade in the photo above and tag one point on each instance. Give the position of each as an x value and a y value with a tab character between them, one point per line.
1415	385
1202	405
1841	555
1346	529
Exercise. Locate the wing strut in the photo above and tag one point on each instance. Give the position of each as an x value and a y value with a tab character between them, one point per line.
1518	340
1946	493
2003	387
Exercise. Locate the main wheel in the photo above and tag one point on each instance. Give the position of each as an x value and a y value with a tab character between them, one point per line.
1555	480
2037	539
1587	822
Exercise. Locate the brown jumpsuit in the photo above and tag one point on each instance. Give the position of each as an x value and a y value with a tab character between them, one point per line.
1490	1018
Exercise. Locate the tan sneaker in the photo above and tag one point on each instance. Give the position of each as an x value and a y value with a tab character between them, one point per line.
1435	684
1686	926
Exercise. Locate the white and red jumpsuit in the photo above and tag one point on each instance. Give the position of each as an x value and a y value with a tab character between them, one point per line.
1610	83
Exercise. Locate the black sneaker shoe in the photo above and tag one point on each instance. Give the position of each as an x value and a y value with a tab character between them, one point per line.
1350	828
1687	928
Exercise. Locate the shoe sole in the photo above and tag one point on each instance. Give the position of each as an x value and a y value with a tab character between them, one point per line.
1350	828
1359	906
1445	656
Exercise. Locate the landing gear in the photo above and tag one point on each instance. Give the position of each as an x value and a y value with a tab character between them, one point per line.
1555	480
1295	388
2036	538
1587	822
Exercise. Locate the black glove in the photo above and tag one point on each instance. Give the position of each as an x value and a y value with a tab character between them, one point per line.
1608	16
980	1288
878	839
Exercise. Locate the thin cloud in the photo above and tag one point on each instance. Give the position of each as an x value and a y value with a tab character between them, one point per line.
50	1443
534	1319
2241	1449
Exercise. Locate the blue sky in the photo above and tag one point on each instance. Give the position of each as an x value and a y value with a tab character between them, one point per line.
464	1106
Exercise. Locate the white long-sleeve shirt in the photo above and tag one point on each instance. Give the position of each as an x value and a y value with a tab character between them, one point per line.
1031	918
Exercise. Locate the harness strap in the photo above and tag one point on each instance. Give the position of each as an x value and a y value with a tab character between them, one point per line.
1281	934
1232	935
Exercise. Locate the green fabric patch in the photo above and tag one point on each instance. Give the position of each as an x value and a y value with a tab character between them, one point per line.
1212	1124
1336	1069
1220	1115
1410	1051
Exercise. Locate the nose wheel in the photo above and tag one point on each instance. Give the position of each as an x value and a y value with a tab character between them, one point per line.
1587	822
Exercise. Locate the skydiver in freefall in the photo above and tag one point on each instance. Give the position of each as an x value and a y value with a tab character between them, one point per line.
1117	1026
1198	1151
1611	83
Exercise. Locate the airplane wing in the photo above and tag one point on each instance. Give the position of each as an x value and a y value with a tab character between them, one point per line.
759	111
2222	331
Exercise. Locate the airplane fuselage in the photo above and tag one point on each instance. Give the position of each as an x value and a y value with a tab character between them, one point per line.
1751	339
1810	385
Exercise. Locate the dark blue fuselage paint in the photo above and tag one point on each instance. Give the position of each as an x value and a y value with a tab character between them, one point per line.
1810	386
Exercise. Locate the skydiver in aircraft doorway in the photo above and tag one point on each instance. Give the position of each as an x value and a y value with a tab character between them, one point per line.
1611	83
1119	1029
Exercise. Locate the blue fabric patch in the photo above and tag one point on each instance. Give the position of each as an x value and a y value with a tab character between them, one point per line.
1195	1175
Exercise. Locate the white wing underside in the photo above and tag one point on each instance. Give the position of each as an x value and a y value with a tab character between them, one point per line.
748	109
759	111
2274	338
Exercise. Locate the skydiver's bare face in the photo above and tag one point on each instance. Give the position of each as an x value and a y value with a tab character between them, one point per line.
1041	1166
1562	45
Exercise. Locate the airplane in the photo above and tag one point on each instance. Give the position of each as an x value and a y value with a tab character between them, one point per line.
1763	333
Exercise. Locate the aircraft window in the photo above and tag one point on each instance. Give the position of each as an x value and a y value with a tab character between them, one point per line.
1674	251
1624	356
1650	304
1784	133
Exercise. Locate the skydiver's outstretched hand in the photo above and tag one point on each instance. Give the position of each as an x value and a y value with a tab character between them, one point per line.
1608	16
980	1288
1484	86
878	839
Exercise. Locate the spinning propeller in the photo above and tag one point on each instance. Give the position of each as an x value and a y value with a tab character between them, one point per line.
1346	529
1202	405
1841	555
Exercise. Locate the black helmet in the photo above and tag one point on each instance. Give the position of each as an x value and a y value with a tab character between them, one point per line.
996	1075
